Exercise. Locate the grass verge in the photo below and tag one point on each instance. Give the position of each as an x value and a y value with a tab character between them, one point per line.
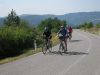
93	30
24	54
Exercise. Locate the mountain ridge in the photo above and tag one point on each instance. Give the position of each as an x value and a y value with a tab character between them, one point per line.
72	18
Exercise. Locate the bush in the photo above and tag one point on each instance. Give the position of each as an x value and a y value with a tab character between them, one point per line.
98	26
14	40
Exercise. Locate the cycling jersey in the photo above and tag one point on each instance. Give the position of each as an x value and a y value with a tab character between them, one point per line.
69	29
62	32
47	34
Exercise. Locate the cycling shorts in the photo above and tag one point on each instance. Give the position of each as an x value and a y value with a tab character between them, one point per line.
62	38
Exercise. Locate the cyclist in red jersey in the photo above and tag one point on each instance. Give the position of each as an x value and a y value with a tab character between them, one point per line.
70	30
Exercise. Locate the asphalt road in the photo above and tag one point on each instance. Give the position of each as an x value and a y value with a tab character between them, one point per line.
83	58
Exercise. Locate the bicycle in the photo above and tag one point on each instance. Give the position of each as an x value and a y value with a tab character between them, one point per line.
70	36
47	46
62	47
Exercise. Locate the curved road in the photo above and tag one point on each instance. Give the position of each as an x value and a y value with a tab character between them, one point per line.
83	58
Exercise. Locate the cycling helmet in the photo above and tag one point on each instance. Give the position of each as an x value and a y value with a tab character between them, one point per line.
61	26
46	28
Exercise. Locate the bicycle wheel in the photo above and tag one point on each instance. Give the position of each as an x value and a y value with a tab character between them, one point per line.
70	36
61	48
50	46
44	49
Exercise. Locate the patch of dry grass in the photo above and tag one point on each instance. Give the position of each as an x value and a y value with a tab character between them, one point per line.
55	39
94	30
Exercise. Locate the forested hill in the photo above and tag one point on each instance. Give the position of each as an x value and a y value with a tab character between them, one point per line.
71	18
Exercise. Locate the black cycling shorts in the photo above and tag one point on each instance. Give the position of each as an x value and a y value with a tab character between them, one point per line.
62	38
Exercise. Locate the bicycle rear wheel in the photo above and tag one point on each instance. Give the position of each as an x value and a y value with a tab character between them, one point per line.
44	49
62	48
70	36
50	46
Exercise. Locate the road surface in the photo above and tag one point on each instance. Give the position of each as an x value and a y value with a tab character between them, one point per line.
83	58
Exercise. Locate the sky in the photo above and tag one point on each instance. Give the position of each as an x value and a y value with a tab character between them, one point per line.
57	7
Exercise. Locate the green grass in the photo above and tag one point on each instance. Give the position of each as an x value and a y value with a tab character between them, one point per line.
55	41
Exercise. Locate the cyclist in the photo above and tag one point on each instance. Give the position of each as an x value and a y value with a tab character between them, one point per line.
62	34
47	34
70	30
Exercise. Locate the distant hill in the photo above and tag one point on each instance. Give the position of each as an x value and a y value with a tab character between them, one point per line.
35	19
81	17
72	18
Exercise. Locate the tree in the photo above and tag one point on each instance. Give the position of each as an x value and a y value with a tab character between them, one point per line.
52	23
98	25
64	23
89	25
24	24
12	19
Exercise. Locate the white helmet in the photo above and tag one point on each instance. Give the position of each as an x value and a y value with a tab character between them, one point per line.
46	28
61	26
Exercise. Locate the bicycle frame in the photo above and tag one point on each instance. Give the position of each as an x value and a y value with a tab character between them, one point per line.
46	46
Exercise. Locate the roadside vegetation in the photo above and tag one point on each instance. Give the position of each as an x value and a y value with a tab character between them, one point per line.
17	37
90	27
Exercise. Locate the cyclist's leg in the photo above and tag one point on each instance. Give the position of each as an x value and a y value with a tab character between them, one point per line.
61	45
44	48
45	41
65	41
70	35
60	39
49	44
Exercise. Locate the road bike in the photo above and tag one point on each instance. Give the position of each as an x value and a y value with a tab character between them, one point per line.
62	47
47	46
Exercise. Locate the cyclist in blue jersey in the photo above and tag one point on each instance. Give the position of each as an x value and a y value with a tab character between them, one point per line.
62	34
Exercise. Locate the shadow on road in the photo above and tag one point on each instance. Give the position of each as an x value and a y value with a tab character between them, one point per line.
67	53
75	40
76	53
54	52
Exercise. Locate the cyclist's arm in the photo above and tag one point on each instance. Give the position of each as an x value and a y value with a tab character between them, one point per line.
58	32
50	36
43	35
